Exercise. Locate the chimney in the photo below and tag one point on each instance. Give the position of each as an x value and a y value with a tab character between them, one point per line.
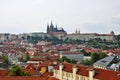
91	73
61	55
60	68
74	72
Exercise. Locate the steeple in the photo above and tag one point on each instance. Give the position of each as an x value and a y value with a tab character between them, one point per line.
48	29
79	32
76	31
51	26
112	33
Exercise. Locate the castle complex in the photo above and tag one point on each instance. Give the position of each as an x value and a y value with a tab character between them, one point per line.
61	33
88	36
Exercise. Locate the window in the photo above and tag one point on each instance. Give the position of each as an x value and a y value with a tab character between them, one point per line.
103	61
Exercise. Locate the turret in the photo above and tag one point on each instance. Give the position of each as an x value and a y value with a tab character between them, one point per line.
91	73
79	32
51	26
112	33
74	72
60	68
76	31
48	29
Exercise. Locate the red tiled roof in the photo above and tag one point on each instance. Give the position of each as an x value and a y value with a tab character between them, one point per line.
93	50
29	66
31	71
107	74
45	76
104	35
52	33
52	78
68	52
4	72
28	78
82	70
99	73
37	59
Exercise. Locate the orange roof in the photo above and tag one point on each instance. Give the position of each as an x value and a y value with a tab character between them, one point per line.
29	66
31	71
37	59
28	78
107	74
4	72
68	52
99	73
82	70
56	33
45	76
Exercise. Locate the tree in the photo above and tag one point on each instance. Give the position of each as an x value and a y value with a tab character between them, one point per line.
102	55
94	57
73	61
64	58
97	56
27	57
85	53
6	59
23	37
16	71
86	62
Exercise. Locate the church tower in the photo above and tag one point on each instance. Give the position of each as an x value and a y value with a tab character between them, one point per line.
48	29
51	26
112	33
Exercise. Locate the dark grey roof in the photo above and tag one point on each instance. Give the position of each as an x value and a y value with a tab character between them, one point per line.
105	61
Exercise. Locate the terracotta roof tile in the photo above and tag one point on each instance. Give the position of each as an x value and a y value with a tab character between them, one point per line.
99	73
4	72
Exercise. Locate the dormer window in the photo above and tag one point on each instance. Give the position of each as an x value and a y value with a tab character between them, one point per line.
104	61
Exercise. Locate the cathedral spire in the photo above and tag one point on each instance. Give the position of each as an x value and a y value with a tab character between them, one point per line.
79	32
76	31
51	26
48	29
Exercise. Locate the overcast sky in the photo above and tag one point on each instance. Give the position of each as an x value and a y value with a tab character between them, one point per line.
24	16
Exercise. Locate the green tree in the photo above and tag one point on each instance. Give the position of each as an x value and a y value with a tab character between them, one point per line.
6	59
16	71
25	73
94	57
86	62
73	61
27	57
102	55
64	58
85	53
